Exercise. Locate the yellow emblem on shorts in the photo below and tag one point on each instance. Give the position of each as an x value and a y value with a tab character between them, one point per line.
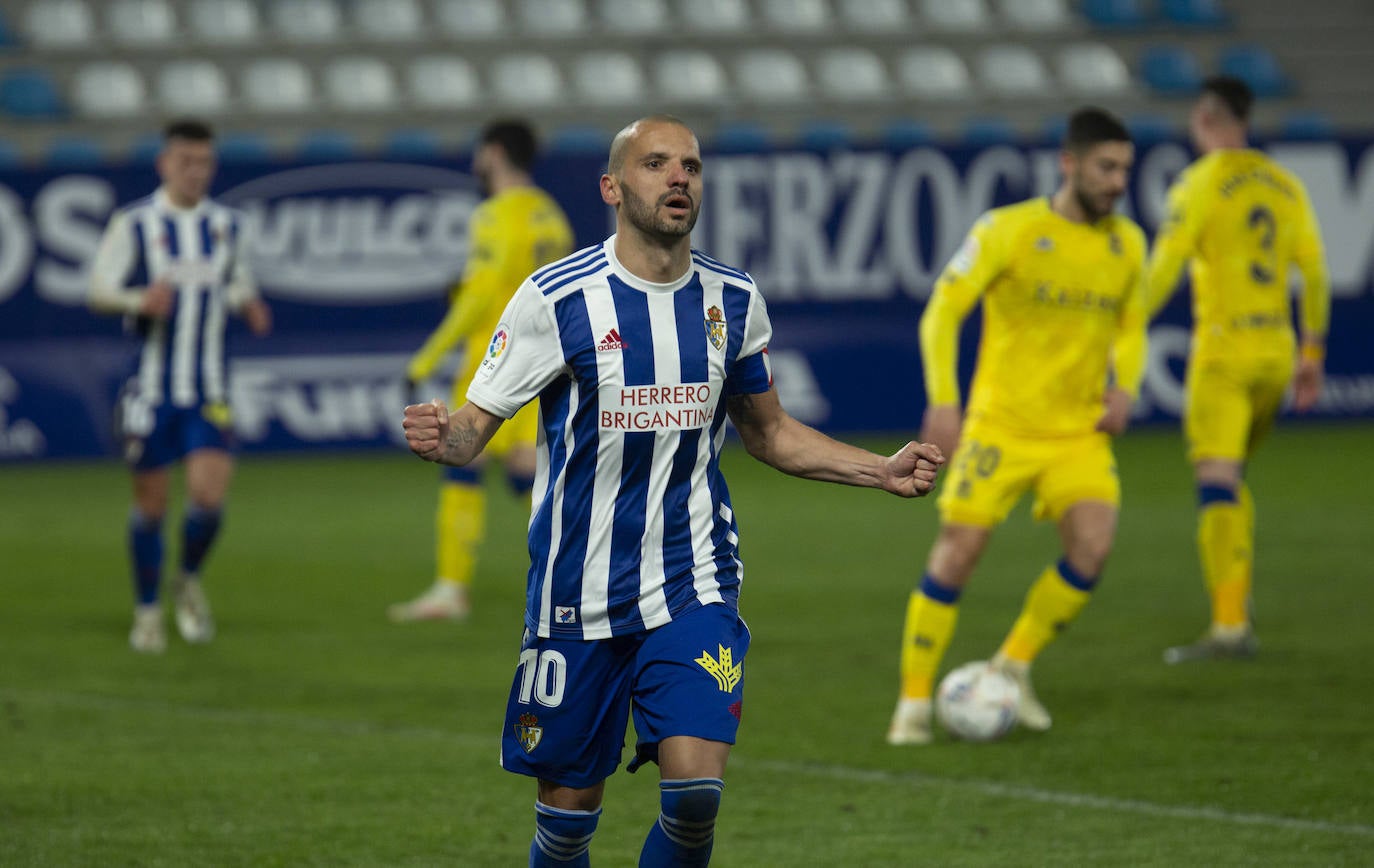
715	327
726	672
217	414
528	732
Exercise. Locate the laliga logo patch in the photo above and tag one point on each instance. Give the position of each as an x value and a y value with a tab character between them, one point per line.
724	669
528	732
715	327
499	342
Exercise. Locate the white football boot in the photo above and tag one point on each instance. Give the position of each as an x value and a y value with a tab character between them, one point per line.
148	635
1030	712
194	621
1219	643
910	723
444	601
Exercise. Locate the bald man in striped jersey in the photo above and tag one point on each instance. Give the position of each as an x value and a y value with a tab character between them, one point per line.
174	265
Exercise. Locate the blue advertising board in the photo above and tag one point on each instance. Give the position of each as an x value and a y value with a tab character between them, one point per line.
357	258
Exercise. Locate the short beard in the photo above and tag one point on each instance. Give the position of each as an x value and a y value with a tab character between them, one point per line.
1090	210
643	217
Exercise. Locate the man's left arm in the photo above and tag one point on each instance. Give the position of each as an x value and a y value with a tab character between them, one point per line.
241	294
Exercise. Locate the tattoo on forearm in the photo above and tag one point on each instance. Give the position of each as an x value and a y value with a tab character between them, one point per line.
461	437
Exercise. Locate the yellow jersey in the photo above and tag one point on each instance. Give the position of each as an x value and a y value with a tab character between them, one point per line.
1243	221
1063	310
510	235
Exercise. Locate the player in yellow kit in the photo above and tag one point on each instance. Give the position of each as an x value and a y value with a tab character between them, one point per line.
515	231
1059	365
1243	221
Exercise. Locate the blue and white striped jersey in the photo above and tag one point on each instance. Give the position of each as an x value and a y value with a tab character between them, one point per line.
201	252
631	522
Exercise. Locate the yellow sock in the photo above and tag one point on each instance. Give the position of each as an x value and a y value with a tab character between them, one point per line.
459	525
1052	603
925	636
1225	537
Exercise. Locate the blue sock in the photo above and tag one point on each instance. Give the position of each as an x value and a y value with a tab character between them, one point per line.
197	534
562	837
686	824
145	549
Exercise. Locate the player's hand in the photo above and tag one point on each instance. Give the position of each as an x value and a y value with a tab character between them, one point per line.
258	316
912	471
941	427
1307	384
426	427
1116	412
158	300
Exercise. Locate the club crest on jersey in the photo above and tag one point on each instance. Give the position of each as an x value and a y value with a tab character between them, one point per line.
565	614
1044	244
528	732
715	327
723	668
1114	243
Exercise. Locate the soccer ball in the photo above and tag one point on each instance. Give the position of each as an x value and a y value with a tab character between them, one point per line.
976	702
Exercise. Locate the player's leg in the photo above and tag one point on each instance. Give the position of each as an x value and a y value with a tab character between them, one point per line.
688	701
565	820
145	551
209	470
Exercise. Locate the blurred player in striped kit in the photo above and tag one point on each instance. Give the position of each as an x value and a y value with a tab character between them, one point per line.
636	349
174	265
516	230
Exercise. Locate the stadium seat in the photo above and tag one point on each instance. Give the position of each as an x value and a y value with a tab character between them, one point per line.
608	78
526	80
1170	70
852	74
74	153
1149	128
562	18
1256	66
580	140
108	89
360	84
224	22
144	150
904	133
243	148
471	19
327	146
192	87
720	17
985	131
874	16
1054	129
1117	14
141	22
412	144
277	86
823	135
10	159
638	17
1013	72
934	72
1307	126
311	21
742	137
388	20
960	16
1194	13
1036	16
770	75
689	76
1093	69
59	24
797	16
443	82
30	94
7	37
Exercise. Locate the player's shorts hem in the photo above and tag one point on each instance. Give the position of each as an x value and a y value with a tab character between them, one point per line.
968	517
1055	511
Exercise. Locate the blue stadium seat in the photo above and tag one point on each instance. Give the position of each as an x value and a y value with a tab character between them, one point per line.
74	153
1256	66
580	140
243	148
988	130
144	151
741	137
1169	70
1194	13
1149	129
821	135
412	145
1054	129
905	133
1307	126
7	36
9	157
325	146
1117	14
30	94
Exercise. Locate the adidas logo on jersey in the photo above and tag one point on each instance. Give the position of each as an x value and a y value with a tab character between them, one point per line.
611	341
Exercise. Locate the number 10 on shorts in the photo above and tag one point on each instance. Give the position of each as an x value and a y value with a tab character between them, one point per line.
543	675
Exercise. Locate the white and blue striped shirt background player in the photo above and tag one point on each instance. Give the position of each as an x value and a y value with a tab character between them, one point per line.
201	252
631	523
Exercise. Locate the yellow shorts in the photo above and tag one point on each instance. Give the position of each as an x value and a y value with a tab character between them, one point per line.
521	430
993	468
1232	404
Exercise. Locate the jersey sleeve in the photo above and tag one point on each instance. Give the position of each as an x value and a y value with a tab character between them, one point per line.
1174	243
523	356
1131	344
1310	256
977	263
113	263
751	373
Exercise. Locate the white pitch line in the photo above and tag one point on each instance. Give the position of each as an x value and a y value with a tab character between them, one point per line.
994	789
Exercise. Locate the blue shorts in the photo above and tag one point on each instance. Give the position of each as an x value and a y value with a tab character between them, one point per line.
565	720
154	437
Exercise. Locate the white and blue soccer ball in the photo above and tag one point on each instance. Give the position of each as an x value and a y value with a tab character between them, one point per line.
976	702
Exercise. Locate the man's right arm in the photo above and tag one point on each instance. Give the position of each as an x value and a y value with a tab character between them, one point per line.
1314	313
114	259
435	434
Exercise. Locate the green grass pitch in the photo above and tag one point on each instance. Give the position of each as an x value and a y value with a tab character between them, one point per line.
313	732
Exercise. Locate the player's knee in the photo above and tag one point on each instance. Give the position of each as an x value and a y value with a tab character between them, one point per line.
1088	557
689	809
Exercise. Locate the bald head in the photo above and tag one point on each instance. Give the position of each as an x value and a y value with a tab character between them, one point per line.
621	143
